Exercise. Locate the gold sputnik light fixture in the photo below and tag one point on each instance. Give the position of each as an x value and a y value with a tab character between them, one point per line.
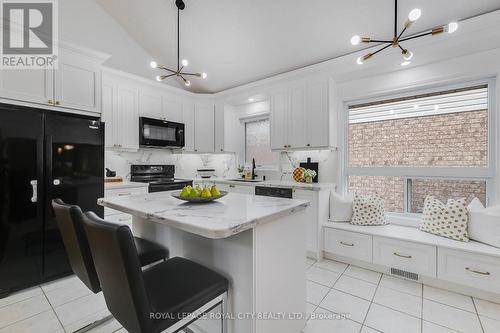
180	64
398	37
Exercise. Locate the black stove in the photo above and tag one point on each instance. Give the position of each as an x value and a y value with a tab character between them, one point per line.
160	177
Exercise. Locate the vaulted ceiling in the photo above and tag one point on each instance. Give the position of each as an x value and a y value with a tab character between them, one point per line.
240	41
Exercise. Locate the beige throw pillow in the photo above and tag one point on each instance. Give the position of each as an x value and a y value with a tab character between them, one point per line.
368	210
447	220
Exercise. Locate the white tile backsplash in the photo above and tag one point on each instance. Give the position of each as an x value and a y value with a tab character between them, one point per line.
225	165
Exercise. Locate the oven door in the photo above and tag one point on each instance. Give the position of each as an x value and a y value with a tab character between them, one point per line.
160	133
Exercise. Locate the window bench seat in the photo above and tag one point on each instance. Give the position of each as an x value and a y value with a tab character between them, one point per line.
467	267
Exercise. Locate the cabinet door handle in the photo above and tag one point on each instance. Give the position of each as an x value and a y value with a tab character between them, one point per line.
346	244
402	255
309	145
34	186
232	186
124	194
477	272
58	103
51	102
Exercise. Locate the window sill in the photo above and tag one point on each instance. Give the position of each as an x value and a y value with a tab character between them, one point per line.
404	219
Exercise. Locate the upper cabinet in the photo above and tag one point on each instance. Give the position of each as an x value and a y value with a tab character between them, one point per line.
120	112
300	116
155	103
204	127
75	84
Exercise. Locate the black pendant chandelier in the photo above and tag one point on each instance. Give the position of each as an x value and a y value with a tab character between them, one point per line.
398	38
180	64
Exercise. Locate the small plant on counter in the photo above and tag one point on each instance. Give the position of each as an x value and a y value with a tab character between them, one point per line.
309	175
241	170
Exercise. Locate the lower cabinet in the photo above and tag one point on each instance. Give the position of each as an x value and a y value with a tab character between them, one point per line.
408	256
348	244
469	269
417	255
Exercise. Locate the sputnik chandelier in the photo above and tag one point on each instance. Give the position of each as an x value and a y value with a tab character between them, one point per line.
398	37
180	64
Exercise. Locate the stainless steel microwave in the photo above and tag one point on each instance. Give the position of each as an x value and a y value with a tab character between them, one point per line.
160	133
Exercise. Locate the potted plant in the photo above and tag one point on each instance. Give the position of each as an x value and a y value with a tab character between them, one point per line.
241	171
309	175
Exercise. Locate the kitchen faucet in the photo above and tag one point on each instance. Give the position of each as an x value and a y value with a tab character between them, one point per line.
253	169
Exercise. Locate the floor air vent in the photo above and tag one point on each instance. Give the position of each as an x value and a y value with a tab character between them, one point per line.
405	274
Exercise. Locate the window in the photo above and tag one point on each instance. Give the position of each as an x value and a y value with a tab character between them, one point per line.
258	143
409	147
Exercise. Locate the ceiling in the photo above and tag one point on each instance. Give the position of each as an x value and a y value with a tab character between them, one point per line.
241	41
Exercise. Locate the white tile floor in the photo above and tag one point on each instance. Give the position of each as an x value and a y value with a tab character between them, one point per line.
377	303
372	302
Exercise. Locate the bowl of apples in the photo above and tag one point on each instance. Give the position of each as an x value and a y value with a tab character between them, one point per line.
198	195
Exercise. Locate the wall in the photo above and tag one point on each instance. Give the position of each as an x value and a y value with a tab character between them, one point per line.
85	23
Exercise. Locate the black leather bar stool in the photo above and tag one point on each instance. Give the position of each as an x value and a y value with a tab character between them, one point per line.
70	222
155	299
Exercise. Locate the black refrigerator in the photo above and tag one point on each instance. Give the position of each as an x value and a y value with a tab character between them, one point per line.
43	155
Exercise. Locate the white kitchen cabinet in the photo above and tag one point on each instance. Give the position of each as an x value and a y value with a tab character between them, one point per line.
150	103
318	115
120	114
297	132
188	120
36	86
172	108
127	117
300	116
279	121
204	128
108	110
219	128
75	84
78	83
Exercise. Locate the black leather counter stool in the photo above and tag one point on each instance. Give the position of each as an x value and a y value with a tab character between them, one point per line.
70	222
155	299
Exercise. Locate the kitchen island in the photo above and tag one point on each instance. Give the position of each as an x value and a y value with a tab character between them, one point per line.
257	242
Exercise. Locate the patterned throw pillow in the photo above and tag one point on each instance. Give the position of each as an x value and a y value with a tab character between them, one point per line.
448	220
368	210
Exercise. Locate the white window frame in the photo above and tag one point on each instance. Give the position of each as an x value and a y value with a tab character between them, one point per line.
250	119
460	173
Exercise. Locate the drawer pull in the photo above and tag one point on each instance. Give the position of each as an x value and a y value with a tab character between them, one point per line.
232	186
402	255
477	272
124	194
346	244
124	219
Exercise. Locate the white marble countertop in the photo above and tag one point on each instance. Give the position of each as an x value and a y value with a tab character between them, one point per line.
223	218
124	184
271	183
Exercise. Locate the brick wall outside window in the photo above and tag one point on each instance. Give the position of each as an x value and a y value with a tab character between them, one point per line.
445	140
454	139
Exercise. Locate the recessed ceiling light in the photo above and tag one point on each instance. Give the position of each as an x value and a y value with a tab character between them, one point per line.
251	100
